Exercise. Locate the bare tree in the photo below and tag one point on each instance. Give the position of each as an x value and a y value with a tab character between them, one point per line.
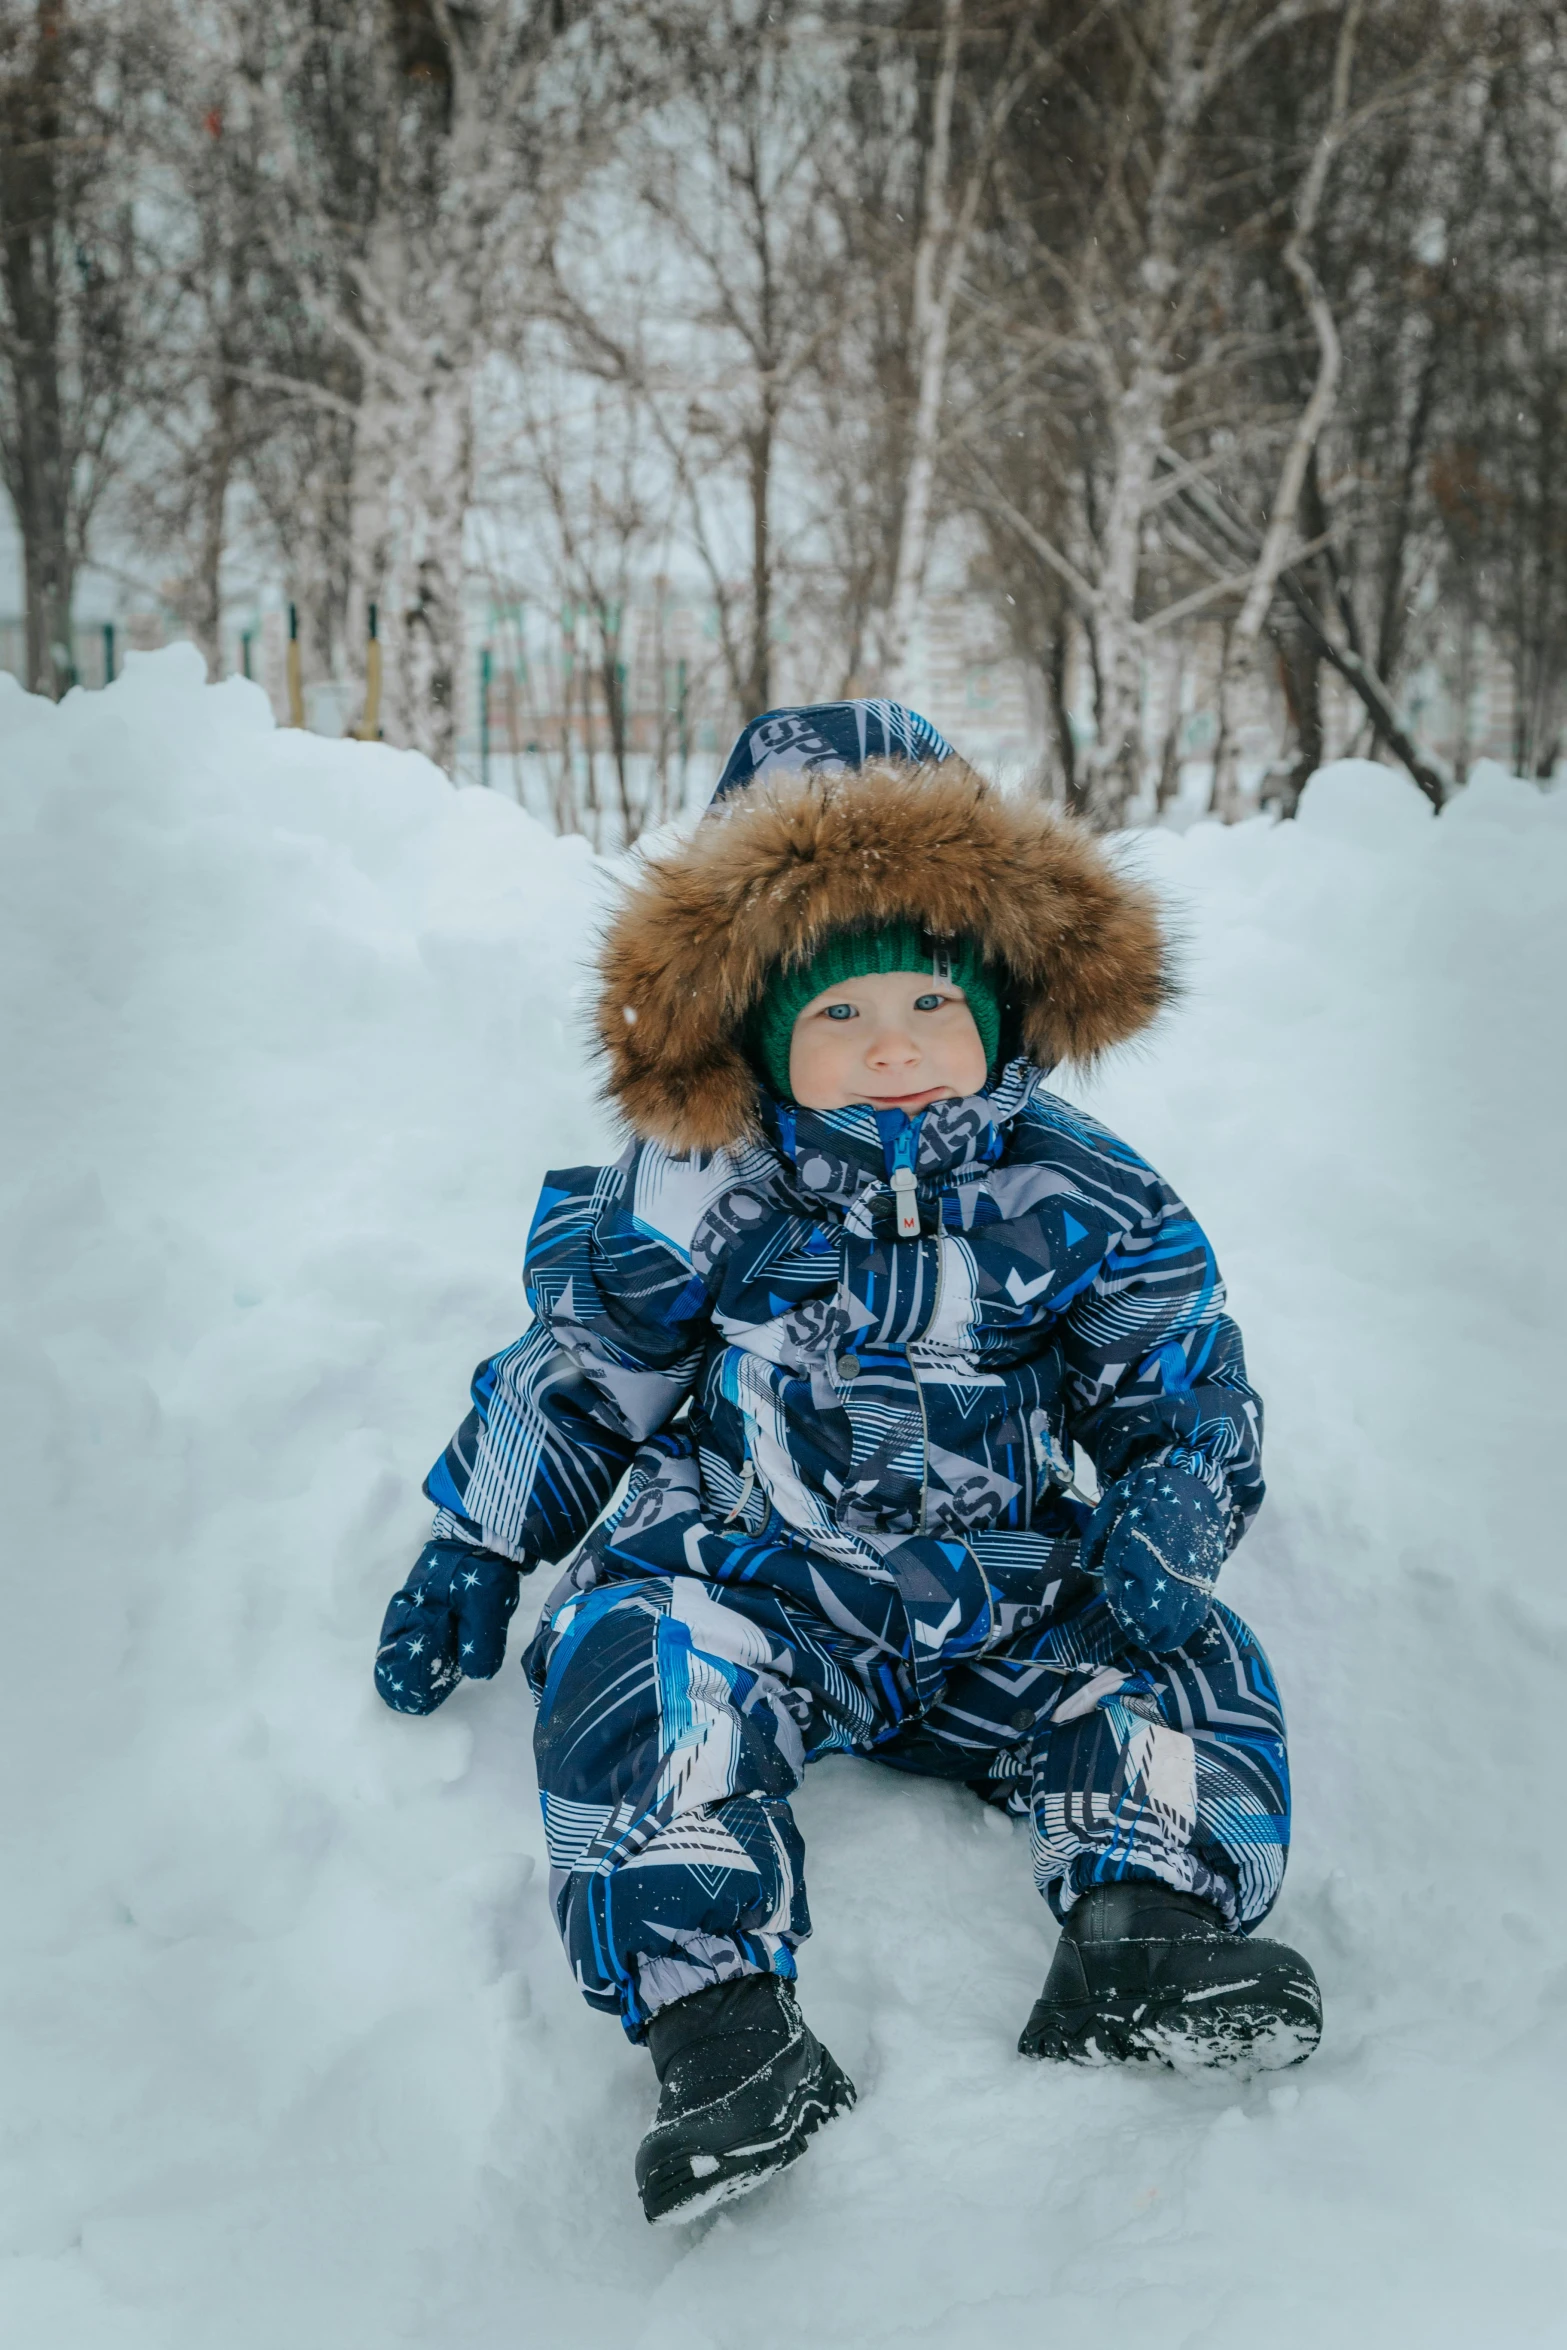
1157	353
728	181
421	151
599	505
205	469
953	181
78	302
1279	537
1192	321
1500	428
1106	328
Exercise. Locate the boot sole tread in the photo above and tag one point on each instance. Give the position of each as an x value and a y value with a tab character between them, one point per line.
1187	2034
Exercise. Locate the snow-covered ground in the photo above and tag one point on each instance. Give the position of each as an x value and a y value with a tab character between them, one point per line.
290	2054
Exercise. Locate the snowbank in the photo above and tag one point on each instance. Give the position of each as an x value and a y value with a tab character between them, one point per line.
290	2051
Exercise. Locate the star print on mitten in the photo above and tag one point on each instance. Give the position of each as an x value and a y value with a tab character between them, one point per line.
448	1622
1157	1541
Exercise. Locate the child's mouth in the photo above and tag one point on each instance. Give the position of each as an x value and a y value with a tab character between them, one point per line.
910	1101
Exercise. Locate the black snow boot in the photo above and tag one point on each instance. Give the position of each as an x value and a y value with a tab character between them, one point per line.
1142	1972
743	2083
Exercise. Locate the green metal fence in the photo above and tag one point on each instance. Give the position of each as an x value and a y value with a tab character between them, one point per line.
97	650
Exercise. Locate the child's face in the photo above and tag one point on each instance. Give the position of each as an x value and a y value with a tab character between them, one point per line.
899	1040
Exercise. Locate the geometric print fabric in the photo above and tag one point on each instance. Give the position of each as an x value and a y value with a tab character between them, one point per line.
848	1516
673	1728
859	1387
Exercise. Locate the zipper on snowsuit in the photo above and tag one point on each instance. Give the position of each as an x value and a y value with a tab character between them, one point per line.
905	1192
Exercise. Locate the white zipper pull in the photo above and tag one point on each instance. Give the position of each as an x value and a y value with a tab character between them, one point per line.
746	1483
905	1193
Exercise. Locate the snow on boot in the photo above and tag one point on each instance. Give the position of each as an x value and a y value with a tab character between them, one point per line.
1144	1972
743	2083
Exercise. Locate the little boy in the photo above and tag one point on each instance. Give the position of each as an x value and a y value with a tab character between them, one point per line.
839	1316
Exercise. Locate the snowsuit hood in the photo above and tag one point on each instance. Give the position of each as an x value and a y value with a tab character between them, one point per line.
837	817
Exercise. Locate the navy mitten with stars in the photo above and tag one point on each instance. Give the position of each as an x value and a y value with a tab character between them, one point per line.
448	1620
1157	1541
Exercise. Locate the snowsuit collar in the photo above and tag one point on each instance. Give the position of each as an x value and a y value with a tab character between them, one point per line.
841	1156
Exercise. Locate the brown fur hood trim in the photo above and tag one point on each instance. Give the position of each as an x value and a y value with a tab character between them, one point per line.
768	875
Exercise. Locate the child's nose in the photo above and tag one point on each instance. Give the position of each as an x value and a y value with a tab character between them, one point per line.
892	1046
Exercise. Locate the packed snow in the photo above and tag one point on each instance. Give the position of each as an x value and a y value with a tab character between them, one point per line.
290	2052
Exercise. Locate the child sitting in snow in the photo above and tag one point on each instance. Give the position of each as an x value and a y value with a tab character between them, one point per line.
842	1310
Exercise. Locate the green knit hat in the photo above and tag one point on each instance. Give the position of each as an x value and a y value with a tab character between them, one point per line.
851	954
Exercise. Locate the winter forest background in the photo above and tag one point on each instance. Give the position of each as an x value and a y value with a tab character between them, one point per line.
1170	398
1166	397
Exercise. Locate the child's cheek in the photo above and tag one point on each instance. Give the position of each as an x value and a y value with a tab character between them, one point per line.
816	1055
965	1059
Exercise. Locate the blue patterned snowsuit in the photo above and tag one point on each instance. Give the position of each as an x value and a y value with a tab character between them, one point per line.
847	1523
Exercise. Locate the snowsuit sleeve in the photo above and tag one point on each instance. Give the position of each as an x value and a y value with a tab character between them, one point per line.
611	1356
1155	1366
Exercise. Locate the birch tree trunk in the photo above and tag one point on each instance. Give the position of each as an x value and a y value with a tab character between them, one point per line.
36	456
946	236
930	326
1115	763
420	345
1241	641
757	690
477	137
217	474
373	486
425	599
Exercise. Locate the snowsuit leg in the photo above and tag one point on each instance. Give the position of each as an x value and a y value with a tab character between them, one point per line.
1128	1765
676	1718
668	1742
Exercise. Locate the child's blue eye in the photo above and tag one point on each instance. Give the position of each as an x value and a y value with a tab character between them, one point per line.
929	1003
840	1011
